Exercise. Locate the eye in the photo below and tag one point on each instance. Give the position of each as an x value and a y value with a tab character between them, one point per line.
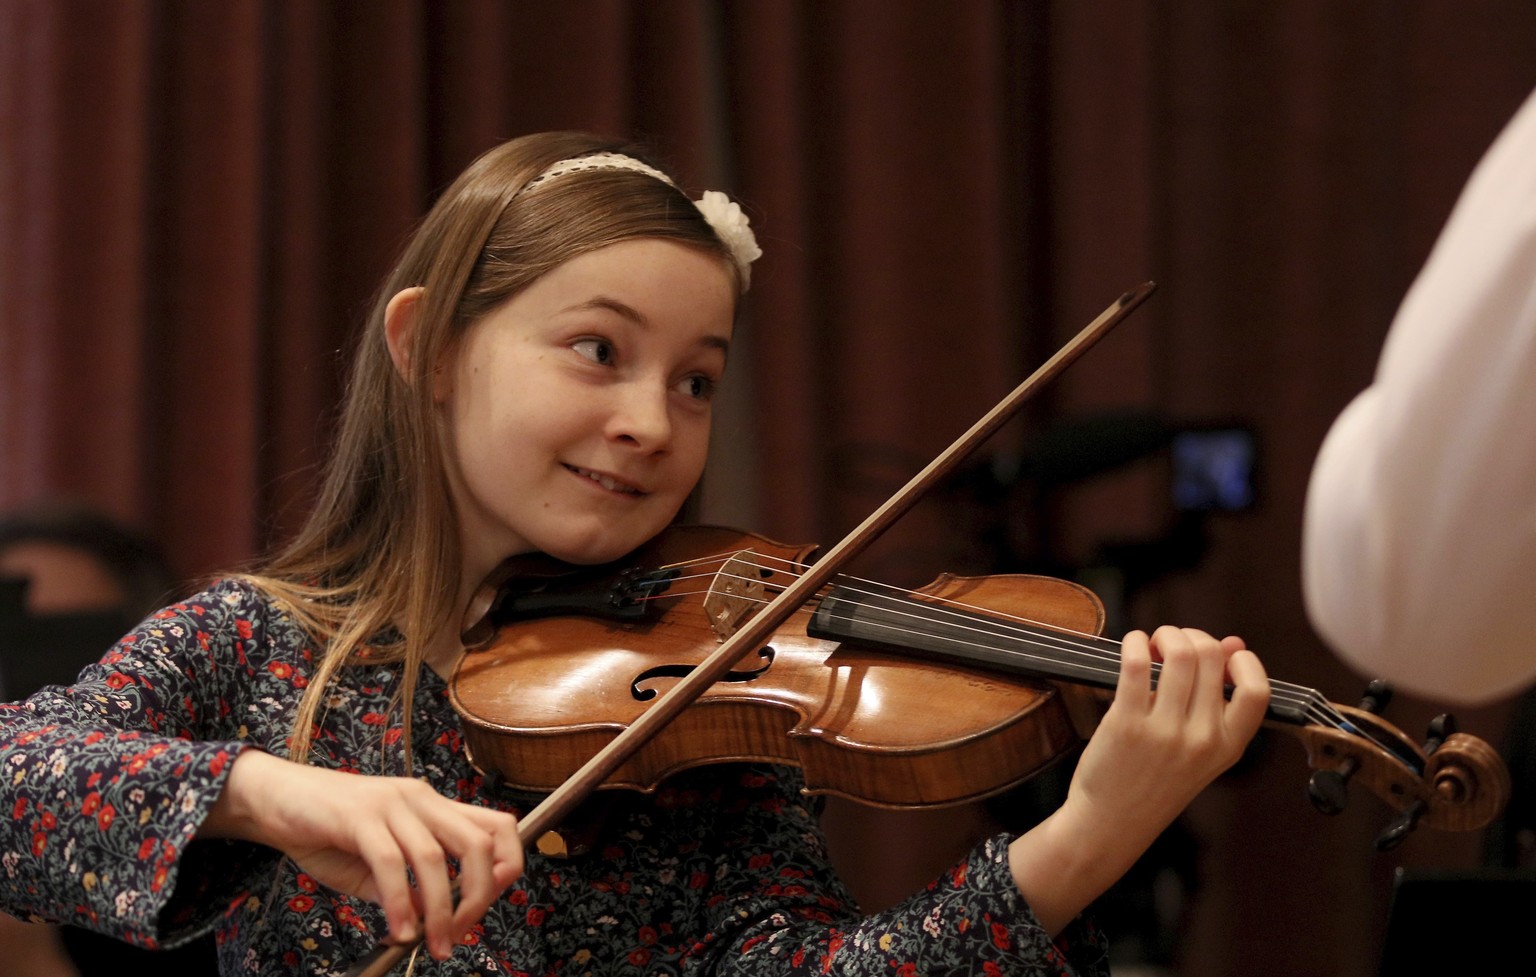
599	351
697	386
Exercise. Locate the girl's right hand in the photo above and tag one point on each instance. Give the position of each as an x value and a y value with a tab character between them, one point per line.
359	834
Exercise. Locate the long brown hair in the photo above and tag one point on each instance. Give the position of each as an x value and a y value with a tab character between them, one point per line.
380	552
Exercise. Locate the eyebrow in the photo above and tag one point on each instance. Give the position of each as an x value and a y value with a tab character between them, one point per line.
627	311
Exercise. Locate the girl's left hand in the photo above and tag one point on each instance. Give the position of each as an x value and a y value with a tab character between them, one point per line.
1151	755
1156	750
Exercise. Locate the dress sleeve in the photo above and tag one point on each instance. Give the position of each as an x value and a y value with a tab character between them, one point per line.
106	782
779	909
1420	530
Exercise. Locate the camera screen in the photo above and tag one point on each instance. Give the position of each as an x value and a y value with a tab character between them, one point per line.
1213	469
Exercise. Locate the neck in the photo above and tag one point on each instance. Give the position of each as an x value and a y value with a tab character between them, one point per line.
443	655
443	650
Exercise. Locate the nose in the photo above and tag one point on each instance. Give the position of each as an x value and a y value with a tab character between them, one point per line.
642	416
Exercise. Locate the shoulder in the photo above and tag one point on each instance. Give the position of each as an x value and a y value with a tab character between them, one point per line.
226	602
231	614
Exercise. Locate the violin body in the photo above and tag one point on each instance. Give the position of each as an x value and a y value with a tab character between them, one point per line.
892	731
891	698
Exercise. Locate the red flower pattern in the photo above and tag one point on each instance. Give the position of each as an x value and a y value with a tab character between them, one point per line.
720	861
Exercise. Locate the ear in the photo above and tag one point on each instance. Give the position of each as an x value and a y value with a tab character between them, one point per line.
400	327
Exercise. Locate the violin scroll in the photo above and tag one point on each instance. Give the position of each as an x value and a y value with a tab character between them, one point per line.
1453	782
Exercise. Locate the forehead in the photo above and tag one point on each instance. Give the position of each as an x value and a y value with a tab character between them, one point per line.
647	279
643	261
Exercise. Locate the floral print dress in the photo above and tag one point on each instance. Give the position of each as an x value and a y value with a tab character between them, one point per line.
722	871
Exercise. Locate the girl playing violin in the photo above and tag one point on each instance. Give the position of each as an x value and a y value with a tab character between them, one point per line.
276	758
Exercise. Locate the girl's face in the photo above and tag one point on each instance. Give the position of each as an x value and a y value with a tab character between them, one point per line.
579	410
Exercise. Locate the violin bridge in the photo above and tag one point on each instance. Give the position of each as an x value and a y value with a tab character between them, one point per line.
734	594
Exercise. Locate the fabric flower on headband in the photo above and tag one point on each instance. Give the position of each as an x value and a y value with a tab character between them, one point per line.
722	213
735	230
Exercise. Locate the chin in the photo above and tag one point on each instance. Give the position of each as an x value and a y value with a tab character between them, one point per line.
589	538
583	557
594	551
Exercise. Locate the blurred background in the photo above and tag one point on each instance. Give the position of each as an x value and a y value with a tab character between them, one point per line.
197	199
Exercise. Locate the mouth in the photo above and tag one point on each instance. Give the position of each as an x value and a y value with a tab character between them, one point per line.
606	481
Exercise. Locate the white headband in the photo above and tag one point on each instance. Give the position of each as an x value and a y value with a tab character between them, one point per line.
723	214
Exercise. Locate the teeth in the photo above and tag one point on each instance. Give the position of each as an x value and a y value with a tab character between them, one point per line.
606	482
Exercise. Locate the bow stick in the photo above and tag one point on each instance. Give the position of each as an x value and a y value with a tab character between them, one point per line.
757	629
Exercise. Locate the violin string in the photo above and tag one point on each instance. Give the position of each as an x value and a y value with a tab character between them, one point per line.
1316	707
1107	649
1070	641
1089	645
1054	648
1063	641
1056	637
1310	702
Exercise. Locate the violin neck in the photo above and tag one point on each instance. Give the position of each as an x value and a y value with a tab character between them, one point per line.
904	624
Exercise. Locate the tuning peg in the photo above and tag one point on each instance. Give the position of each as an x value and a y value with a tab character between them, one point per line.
1329	789
1377	696
1440	727
1400	826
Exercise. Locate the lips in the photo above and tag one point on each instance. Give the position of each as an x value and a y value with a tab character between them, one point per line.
606	481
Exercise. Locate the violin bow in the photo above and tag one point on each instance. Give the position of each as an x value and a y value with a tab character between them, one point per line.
761	626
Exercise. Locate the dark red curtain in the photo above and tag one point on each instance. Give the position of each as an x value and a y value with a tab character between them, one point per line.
196	200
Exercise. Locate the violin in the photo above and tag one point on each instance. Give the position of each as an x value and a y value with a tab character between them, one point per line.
893	698
664	662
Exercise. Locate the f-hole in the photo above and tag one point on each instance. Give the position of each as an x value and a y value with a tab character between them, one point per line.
765	653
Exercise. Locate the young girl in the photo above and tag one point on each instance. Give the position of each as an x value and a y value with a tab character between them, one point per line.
536	377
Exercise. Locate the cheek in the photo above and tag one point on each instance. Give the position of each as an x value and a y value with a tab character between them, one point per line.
696	452
488	436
